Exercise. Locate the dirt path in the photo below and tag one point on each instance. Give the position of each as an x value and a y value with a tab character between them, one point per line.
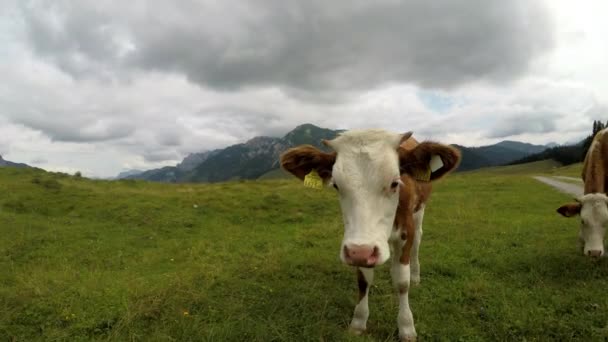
569	188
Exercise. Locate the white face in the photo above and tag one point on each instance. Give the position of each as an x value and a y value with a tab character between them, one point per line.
366	176
594	217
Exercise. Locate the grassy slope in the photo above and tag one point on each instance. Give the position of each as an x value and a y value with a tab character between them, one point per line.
542	166
573	170
257	261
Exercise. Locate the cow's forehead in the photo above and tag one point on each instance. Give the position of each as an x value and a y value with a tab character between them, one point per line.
361	141
367	157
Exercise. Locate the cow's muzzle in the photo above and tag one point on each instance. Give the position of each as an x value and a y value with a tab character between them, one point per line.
595	253
361	255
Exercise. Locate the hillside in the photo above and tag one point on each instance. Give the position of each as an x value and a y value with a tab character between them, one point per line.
548	166
501	153
128	173
5	163
249	160
568	154
132	260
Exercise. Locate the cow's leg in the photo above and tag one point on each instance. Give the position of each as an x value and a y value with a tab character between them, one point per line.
400	272
415	263
365	277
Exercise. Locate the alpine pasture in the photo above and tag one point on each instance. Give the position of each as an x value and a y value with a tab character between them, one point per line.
258	261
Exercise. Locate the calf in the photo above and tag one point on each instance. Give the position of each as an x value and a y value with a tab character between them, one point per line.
592	206
383	181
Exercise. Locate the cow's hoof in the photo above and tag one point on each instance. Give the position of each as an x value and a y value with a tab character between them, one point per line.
407	339
356	331
415	280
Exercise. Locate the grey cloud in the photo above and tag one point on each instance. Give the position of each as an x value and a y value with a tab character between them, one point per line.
241	122
75	128
597	111
170	138
161	155
76	37
311	46
524	123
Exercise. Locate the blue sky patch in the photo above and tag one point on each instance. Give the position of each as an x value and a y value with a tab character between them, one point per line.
436	101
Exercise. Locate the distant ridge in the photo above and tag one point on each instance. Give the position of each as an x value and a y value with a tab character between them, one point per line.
6	163
259	157
248	160
502	153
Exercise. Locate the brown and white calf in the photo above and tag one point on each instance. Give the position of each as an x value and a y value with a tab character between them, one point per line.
382	204
592	206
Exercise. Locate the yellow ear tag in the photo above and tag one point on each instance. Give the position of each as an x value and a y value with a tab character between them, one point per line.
313	180
425	174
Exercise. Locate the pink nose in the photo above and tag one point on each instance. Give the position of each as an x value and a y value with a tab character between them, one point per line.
594	253
361	255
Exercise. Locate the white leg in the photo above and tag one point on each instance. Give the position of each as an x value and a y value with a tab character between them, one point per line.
418	216
401	280
365	277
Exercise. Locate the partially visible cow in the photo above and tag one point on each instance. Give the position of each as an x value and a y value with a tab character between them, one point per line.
382	204
592	206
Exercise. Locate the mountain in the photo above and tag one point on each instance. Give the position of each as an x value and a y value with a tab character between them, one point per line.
249	160
4	163
502	153
127	174
174	174
566	155
195	159
522	147
260	157
471	159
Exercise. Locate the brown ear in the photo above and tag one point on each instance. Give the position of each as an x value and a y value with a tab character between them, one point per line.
300	160
418	160
570	209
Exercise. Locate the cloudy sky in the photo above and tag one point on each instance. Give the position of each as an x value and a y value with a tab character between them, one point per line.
106	86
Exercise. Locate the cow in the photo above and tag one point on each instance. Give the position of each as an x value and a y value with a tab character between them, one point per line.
592	205
383	181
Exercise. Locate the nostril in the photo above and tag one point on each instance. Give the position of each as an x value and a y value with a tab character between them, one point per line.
346	252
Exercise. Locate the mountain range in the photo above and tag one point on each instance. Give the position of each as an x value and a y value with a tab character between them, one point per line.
502	153
260	157
4	163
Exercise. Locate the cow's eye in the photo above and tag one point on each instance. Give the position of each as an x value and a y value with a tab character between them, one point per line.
335	186
394	185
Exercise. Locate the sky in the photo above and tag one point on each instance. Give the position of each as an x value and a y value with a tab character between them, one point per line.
107	86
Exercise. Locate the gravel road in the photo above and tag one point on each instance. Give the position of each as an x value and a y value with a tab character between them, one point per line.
569	188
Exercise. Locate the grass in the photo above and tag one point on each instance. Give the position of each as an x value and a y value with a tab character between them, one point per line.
573	170
257	261
542	166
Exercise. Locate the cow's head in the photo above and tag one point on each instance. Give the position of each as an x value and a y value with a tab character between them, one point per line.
593	211
366	170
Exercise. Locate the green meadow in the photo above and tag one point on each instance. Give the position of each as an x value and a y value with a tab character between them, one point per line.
85	260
